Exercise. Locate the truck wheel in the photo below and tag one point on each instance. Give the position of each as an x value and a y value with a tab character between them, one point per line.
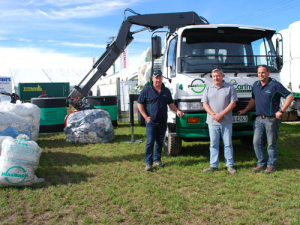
172	144
141	119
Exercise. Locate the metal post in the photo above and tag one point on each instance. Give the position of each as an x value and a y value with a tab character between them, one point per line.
131	100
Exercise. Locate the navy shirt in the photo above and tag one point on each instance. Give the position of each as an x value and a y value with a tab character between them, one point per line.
155	104
267	98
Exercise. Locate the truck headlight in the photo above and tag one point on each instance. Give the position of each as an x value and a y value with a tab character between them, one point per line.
190	106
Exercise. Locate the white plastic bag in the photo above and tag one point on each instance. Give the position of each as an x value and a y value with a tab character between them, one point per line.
18	161
4	99
2	138
146	55
12	125
30	112
144	72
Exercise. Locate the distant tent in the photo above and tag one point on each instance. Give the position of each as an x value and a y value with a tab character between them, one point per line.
73	76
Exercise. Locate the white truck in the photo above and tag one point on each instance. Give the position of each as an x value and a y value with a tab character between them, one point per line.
289	74
190	55
193	47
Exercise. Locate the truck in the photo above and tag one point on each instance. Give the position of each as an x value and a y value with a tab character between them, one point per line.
289	74
193	48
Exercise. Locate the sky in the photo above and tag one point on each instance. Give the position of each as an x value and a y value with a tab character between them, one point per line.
65	34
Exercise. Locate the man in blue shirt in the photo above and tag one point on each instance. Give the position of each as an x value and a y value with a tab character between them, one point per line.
266	94
153	105
219	99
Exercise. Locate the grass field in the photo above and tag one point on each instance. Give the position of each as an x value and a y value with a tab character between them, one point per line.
107	184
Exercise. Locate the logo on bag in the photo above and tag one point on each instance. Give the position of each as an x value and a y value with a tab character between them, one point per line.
15	175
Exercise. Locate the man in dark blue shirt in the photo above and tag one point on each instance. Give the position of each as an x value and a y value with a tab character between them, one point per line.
266	94
153	105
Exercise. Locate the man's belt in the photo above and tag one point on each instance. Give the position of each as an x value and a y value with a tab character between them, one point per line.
263	117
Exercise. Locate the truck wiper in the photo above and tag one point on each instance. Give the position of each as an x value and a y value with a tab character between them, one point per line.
252	75
203	74
238	70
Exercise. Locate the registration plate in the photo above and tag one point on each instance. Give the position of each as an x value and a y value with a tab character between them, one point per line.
240	119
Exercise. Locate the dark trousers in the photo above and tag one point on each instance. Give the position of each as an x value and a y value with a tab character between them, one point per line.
155	133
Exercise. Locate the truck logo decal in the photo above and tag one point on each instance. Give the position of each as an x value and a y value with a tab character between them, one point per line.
181	87
197	86
245	88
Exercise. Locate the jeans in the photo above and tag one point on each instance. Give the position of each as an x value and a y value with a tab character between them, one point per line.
215	132
155	133
268	126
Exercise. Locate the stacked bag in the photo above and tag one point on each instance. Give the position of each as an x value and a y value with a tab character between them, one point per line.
12	125
19	152
27	111
19	160
144	68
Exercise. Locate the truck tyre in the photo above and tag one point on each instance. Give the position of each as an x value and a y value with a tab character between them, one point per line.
172	144
141	119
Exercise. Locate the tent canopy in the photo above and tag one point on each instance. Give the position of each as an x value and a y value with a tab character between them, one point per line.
73	76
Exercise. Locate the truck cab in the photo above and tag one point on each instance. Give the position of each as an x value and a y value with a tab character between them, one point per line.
191	53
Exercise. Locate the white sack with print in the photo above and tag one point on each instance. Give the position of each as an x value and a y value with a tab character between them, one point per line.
18	161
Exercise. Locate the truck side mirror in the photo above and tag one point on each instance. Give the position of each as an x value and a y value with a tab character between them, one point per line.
156	47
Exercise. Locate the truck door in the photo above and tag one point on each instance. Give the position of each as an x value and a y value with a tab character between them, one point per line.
171	58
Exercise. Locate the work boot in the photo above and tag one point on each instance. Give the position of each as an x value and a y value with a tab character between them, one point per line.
270	170
148	168
159	163
258	169
231	170
210	169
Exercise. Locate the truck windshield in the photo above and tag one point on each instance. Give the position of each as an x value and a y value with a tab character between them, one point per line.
231	49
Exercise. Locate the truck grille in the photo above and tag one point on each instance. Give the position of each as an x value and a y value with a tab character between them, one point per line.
241	104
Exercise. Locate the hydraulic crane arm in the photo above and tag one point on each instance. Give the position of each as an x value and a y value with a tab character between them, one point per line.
172	21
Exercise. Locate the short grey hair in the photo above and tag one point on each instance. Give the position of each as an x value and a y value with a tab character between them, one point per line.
217	70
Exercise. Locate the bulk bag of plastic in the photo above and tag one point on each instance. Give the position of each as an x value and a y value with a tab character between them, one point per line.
5	98
18	161
12	125
89	126
2	138
28	111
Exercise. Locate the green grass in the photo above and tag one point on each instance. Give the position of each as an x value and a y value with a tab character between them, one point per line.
107	184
